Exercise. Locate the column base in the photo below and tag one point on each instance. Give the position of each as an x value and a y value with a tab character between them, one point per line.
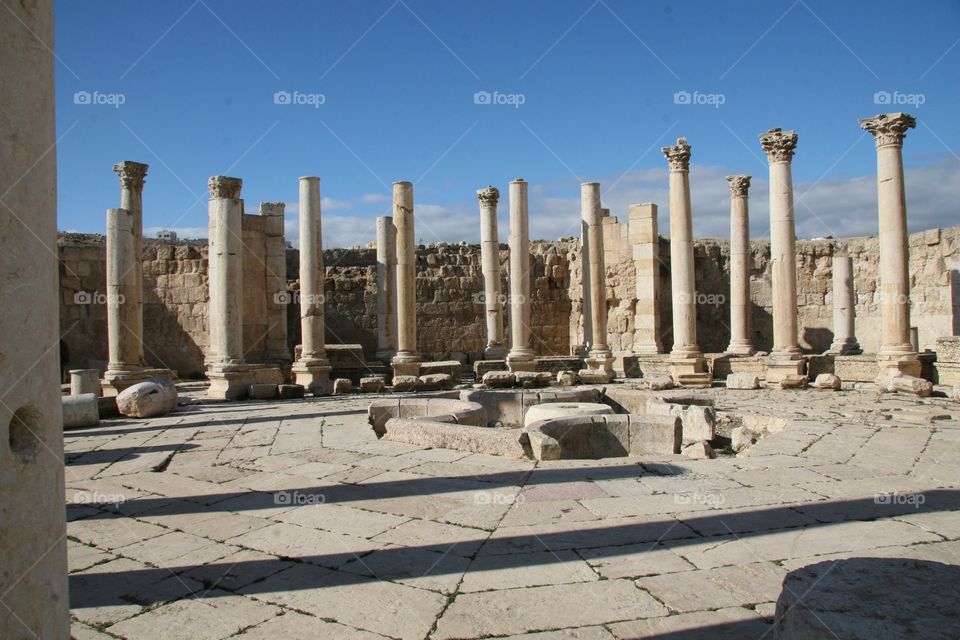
313	375
229	381
848	347
690	372
784	369
116	380
495	353
385	355
899	364
600	360
740	348
521	360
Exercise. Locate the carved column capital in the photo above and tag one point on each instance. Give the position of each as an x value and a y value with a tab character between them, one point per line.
739	185
488	197
888	128
131	174
678	156
224	187
779	145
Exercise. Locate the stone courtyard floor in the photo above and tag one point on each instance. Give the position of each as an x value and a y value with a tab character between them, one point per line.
291	520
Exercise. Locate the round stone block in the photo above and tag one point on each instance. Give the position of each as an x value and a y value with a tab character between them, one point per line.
80	411
564	409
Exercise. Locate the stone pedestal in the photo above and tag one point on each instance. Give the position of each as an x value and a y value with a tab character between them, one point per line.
312	369
844	302
521	356
386	289
33	552
490	261
896	355
686	360
740	340
407	359
645	244
84	381
599	357
785	358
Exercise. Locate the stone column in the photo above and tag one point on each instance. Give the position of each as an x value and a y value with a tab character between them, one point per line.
645	242
407	359
687	365
585	282
740	341
386	288
896	355
599	357
132	176
125	348
490	261
785	359
33	580
312	369
844	302
521	356
276	350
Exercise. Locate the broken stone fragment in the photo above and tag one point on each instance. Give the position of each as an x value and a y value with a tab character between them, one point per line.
566	378
698	450
594	376
827	381
436	382
794	381
499	379
80	410
148	399
743	381
910	384
405	383
372	384
342	386
656	382
263	391
291	391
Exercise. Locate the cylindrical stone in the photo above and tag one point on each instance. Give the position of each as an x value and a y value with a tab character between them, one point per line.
520	355
80	411
132	175
312	275
226	281
84	381
590	212
124	346
740	341
844	301
490	265
386	288
406	274
682	276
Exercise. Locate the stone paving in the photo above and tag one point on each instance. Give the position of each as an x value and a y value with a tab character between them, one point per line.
291	520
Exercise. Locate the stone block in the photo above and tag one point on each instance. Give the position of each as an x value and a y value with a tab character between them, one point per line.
594	376
656	382
793	381
658	435
827	381
405	383
499	379
436	382
263	391
745	381
481	367
291	391
910	384
567	378
80	410
372	384
698	451
698	424
148	399
342	386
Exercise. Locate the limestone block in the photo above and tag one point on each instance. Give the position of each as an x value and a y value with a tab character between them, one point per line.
698	450
656	382
80	411
793	381
405	383
372	384
567	378
431	433
745	381
263	391
740	439
499	379
436	382
595	376
698	424
827	381
84	381
291	391
533	379
481	367
342	386
148	399
561	409
659	435
910	384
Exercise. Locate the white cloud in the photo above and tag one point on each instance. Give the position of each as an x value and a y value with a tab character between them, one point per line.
374	198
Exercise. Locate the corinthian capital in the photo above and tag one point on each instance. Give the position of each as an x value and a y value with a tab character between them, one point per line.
488	197
131	174
738	185
678	156
224	187
778	145
889	128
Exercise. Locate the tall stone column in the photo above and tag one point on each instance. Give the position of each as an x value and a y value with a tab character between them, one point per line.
521	357
844	303
687	365
645	242
312	369
896	355
740	341
33	554
276	351
386	288
785	357
599	357
407	359
124	346
132	175
586	297
490	264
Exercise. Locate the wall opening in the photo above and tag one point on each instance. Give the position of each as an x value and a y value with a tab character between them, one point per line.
24	433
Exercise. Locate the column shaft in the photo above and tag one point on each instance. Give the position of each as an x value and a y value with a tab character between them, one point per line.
124	347
312	275
740	340
844	301
226	279
490	265
521	356
590	212
132	175
407	353
645	243
386	288
277	350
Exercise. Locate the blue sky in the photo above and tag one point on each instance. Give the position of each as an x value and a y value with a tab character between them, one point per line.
588	90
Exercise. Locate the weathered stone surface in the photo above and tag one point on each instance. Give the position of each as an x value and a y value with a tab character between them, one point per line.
562	409
436	382
291	391
740	438
263	391
154	397
827	381
594	376
499	379
427	432
656	382
405	383
744	381
533	379
910	384
80	410
793	381
698	450
342	386
567	378
372	384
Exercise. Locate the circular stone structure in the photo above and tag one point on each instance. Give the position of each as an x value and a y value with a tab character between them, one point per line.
550	410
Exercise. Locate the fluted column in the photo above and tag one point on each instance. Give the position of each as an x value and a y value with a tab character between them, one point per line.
386	288
599	356
124	347
407	359
312	369
521	356
645	243
685	357
132	176
844	302
785	357
226	279
490	264
740	341
896	355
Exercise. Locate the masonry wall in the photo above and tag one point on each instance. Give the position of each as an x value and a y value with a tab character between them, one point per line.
450	303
